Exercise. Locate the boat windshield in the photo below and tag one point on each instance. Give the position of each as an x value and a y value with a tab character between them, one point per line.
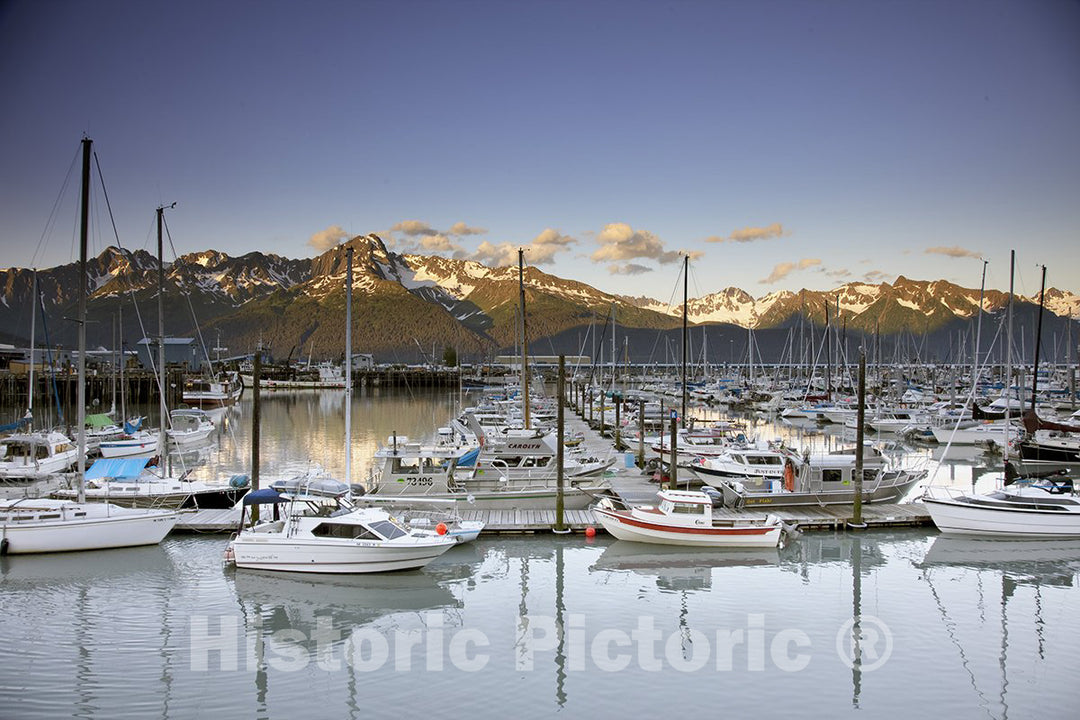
388	529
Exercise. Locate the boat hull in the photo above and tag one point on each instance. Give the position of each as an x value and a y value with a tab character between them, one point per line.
118	530
783	498
957	518
621	525
298	555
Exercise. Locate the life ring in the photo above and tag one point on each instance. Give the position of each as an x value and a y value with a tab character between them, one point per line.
789	476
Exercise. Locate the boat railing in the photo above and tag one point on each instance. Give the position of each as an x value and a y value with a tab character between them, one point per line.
941	492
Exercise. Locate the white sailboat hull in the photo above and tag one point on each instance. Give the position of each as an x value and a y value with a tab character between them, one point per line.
102	528
957	518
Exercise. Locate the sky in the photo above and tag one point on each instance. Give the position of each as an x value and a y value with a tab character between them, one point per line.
782	144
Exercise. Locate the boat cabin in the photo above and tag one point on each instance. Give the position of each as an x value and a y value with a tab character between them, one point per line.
683	507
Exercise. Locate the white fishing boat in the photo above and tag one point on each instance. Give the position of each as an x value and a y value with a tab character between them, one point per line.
26	457
202	392
685	518
317	531
810	479
526	481
1040	510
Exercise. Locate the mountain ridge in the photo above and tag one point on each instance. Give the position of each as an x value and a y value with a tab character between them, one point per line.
407	301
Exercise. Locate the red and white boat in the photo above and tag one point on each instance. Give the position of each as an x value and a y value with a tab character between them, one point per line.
686	518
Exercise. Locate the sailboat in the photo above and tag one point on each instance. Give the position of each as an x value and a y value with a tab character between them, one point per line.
28	455
1042	509
48	525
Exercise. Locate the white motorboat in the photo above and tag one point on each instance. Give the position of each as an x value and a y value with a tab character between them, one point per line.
685	518
141	443
189	426
26	457
1041	510
319	532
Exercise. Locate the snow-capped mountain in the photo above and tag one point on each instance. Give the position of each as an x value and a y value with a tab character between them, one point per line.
402	302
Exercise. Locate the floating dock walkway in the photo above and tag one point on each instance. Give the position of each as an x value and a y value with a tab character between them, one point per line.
633	487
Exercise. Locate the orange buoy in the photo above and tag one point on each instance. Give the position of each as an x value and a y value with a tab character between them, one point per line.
590	532
441	528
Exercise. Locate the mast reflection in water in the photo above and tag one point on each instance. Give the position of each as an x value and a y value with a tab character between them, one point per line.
531	626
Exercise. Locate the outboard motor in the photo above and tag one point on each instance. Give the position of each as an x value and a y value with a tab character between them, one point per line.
715	496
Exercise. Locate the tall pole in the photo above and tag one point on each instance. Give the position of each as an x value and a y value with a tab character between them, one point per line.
348	364
33	342
1038	342
859	435
161	337
524	340
1008	353
978	330
84	231
256	426
559	456
685	300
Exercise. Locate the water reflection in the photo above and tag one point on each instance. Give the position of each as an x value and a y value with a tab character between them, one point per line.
110	634
675	568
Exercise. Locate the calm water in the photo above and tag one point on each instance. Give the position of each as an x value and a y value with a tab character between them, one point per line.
957	628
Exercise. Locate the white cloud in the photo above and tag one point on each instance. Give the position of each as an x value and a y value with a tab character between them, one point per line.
782	270
751	234
618	241
954	252
540	251
460	228
413	228
328	238
628	269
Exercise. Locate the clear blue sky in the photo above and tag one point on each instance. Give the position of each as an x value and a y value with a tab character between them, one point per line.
813	142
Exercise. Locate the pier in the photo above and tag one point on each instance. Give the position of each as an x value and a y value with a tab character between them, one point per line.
632	486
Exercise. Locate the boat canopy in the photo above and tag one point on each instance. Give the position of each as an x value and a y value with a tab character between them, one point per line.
320	487
117	468
98	421
265	496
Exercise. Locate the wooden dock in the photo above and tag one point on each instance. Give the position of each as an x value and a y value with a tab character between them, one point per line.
634	488
830	517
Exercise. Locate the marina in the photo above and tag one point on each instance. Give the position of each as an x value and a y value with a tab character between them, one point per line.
540	360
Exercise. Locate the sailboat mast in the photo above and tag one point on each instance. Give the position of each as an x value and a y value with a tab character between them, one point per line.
978	330
524	340
1008	352
84	231
1038	341
348	365
33	328
161	335
685	301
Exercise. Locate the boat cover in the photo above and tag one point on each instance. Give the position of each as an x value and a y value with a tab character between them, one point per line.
117	468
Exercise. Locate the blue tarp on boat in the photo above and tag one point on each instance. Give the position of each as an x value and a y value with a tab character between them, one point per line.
14	426
117	468
469	458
